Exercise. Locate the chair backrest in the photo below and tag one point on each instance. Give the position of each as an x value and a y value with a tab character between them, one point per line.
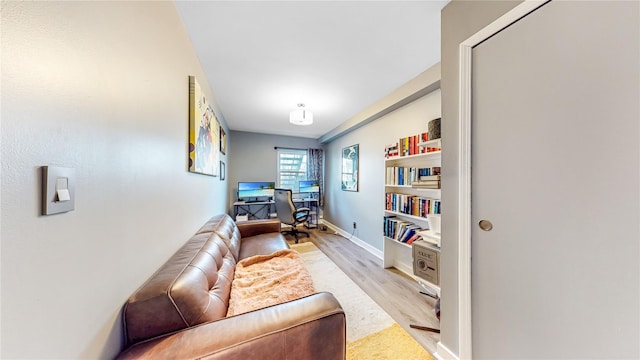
284	206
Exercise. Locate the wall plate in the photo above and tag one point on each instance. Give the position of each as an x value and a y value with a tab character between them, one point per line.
58	189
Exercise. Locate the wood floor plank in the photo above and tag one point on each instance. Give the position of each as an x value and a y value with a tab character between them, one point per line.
398	294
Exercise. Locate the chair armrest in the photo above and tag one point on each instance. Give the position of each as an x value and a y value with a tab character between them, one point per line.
305	214
256	227
313	327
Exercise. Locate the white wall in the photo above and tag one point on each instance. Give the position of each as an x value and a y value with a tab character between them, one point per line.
101	87
366	207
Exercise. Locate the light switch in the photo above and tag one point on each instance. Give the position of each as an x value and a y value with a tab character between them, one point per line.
62	189
58	189
63	195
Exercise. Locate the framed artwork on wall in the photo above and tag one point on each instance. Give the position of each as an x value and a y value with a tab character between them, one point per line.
204	133
223	141
223	170
350	159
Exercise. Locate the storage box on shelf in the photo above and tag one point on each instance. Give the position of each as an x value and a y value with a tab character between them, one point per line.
412	202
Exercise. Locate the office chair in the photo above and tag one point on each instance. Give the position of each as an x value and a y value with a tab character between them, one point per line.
288	214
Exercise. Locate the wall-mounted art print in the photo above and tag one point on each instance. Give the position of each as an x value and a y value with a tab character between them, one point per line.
204	153
223	141
350	168
223	170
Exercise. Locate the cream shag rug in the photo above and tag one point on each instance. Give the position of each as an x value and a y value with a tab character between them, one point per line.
371	332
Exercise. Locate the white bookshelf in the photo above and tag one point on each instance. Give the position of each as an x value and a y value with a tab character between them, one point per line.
398	254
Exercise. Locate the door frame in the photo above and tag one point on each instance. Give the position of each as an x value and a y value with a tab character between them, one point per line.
464	163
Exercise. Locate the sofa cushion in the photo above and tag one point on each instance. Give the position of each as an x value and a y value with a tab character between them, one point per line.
226	228
192	287
262	244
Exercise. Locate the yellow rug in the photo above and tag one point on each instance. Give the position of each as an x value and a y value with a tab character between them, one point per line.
371	333
390	343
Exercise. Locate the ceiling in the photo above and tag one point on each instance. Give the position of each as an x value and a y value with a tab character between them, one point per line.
262	58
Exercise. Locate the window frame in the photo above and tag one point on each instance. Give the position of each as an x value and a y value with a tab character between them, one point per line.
297	175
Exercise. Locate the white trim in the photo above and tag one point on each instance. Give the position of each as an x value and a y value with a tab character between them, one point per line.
464	163
375	252
464	205
443	353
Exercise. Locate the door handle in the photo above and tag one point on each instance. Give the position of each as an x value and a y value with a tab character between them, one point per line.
485	225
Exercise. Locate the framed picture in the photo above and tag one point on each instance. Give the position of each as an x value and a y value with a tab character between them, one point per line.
223	141
204	133
350	168
223	170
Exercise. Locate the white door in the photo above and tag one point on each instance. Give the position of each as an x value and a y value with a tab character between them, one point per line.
555	168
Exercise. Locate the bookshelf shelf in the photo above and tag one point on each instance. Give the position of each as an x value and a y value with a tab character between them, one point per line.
428	155
397	242
413	217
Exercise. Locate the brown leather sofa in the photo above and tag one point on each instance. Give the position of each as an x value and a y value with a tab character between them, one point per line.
180	312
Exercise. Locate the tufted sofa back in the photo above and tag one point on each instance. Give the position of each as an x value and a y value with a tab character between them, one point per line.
192	287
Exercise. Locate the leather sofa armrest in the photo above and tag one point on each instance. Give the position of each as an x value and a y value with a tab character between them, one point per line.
313	327
256	227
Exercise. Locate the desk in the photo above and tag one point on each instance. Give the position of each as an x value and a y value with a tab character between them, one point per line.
312	204
263	210
254	210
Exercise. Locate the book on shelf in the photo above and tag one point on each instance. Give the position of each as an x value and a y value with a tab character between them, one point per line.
426	184
429	177
391	150
408	232
430	187
424	137
415	237
401	230
410	145
430	237
401	175
411	204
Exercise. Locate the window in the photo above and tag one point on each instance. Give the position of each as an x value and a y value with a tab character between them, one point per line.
292	168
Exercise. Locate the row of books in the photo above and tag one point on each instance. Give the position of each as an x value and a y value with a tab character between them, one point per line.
401	175
409	146
400	230
391	151
427	182
412	205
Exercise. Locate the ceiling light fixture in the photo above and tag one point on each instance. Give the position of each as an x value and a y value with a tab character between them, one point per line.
301	116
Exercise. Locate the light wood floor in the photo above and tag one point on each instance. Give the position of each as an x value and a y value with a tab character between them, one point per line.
391	289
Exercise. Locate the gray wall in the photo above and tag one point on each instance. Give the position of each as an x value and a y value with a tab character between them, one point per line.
366	207
460	20
254	157
101	87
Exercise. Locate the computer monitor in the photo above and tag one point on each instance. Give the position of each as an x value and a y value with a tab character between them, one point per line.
309	186
254	190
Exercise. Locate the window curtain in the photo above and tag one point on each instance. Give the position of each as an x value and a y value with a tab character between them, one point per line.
315	170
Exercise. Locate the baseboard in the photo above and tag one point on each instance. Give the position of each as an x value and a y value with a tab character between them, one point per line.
354	239
443	353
